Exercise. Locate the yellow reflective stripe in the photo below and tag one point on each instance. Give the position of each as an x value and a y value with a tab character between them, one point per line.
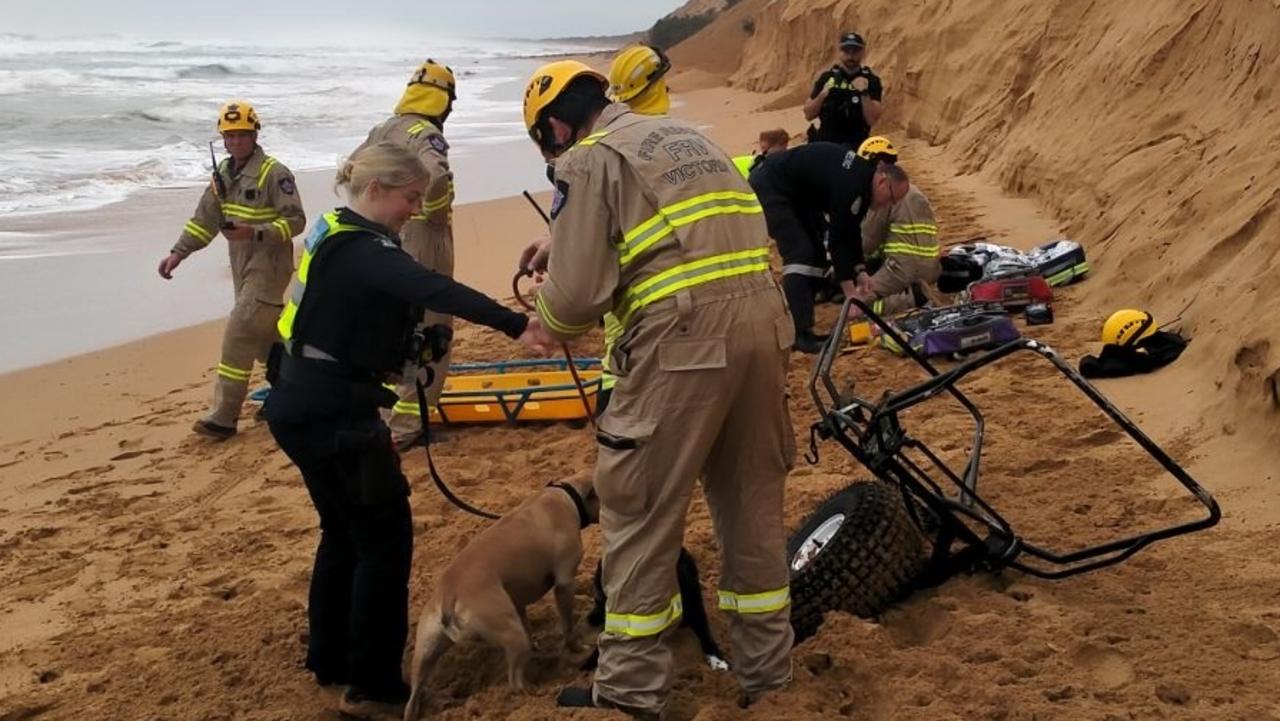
417	216
235	374
688	275
298	287
418	127
922	251
914	229
686	212
434	205
878	306
198	231
406	408
642	625
592	139
282	225
555	323
262	172
766	602
285	324
243	211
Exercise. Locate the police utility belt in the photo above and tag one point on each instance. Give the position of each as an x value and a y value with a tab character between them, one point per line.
329	381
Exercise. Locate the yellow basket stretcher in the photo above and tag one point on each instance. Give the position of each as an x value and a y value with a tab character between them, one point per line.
517	391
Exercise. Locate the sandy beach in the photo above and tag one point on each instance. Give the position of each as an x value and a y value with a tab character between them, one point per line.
148	574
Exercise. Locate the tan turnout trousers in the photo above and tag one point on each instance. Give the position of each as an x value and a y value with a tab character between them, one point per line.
654	224
261	194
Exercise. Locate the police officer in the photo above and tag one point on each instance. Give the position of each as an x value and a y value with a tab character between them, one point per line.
900	235
418	124
655	225
347	328
254	204
797	187
845	98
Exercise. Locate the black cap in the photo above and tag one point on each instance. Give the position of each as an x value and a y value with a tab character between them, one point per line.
852	40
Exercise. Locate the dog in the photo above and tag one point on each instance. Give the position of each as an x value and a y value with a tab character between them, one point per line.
694	618
484	593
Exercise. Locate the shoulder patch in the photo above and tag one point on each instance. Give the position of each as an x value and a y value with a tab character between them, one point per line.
560	198
439	143
287	185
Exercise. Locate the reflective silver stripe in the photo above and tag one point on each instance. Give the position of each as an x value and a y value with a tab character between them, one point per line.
802	269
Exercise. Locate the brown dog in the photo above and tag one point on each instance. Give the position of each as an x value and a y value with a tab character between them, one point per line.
485	590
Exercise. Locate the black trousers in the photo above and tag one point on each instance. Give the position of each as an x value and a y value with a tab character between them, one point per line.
798	233
359	601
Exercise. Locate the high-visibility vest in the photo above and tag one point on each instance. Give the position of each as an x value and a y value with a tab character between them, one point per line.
323	230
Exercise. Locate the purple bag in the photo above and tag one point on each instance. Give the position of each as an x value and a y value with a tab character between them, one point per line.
955	330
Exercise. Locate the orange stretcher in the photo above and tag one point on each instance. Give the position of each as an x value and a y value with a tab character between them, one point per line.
517	391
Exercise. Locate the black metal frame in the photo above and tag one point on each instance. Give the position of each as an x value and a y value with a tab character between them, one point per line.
871	432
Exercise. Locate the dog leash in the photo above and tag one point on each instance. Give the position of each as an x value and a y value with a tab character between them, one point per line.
424	411
424	414
568	355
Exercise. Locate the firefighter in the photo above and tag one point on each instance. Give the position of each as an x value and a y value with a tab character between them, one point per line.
846	98
253	202
348	327
418	124
900	234
637	77
701	376
797	188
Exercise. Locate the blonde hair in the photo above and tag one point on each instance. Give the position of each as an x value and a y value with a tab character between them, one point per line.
393	166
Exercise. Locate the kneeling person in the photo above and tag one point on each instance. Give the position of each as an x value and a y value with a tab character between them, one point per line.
901	233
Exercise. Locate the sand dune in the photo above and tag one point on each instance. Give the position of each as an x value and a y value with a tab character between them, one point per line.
1148	130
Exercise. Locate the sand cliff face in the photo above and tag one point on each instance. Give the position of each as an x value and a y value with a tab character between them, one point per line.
1148	128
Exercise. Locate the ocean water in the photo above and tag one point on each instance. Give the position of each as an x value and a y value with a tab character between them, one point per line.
88	121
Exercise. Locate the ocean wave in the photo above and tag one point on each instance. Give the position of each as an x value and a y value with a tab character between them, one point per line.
212	70
13	82
97	119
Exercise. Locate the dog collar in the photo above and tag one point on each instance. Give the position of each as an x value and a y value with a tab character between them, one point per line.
584	519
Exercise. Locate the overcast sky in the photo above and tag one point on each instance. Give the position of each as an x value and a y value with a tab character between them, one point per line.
219	19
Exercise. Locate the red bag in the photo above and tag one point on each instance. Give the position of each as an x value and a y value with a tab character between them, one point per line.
1012	292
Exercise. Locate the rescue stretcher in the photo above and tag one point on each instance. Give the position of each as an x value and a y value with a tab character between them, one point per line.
517	391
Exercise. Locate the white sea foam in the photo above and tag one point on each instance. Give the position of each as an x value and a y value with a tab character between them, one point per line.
90	120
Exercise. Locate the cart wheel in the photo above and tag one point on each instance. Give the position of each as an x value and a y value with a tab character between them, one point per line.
858	552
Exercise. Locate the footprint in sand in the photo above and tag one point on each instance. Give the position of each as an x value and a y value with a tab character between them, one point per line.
1109	668
1101	437
917	625
134	454
1255	640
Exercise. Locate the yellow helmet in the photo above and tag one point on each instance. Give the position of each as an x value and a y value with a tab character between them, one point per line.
635	69
878	147
546	85
238	115
1126	327
430	91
